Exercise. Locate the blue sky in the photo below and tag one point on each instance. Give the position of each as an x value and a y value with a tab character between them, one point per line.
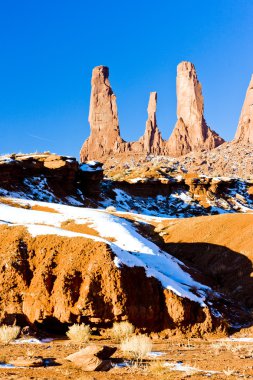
48	50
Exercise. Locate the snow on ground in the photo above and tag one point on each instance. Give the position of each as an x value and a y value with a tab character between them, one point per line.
179	366
233	339
32	341
129	246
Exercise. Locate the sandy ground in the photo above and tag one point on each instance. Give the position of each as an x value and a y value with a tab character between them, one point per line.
231	359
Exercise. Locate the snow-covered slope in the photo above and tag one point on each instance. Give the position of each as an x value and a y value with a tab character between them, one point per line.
129	246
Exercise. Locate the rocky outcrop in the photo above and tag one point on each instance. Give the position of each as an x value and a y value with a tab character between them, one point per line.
244	131
151	141
51	177
103	118
191	132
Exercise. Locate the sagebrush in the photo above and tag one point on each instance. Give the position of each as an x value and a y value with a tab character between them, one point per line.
138	346
79	333
8	333
122	330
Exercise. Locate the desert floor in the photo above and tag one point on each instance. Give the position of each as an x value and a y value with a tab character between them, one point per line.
217	358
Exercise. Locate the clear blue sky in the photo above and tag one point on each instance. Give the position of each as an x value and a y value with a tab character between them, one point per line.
49	47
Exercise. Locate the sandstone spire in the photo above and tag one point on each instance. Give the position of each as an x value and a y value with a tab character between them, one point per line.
191	132
103	118
244	131
151	140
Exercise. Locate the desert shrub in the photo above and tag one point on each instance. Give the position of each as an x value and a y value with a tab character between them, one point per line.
138	346
157	368
79	333
122	330
8	333
111	209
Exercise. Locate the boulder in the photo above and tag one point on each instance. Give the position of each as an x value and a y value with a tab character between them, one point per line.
102	352
93	358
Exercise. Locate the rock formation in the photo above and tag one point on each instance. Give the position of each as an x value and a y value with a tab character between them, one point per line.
51	177
54	280
103	118
191	132
152	141
244	131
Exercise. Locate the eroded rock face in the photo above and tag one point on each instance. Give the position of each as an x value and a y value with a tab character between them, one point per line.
244	131
54	280
46	176
191	132
103	118
152	141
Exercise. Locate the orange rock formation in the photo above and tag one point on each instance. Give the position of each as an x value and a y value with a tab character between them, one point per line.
152	141
191	132
244	131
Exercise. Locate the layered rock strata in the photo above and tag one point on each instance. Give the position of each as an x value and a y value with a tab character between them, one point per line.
244	131
49	177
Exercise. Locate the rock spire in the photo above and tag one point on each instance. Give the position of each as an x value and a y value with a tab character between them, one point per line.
244	131
191	132
103	118
152	141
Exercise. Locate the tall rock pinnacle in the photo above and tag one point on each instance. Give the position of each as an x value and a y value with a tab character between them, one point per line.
191	132
103	118
244	131
152	140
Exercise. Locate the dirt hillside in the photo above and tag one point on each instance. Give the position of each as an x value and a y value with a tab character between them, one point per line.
54	281
219	246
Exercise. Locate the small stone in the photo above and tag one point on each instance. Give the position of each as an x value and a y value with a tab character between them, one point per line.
27	362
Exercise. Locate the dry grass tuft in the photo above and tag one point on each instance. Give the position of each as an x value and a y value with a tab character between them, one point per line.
79	333
157	368
8	333
138	346
121	331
